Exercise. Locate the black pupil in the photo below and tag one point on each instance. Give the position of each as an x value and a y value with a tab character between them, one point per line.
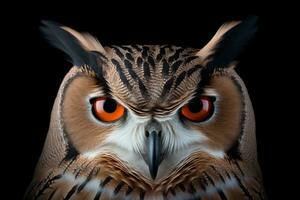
195	105
110	105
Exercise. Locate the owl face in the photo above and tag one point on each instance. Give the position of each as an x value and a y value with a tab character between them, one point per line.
150	118
152	114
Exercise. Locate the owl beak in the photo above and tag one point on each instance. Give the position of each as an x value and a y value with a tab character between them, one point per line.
153	151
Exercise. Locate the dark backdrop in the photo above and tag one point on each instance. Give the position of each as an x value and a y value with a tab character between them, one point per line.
36	70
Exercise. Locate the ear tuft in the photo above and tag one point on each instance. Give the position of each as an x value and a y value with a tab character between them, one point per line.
227	43
87	41
79	48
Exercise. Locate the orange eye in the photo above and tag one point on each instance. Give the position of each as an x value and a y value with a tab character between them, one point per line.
199	109
107	110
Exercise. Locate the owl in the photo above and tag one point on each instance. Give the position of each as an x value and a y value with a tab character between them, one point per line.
150	122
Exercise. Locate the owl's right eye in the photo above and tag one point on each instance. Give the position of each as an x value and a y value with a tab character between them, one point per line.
107	109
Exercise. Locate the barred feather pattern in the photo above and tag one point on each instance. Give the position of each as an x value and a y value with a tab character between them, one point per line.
107	177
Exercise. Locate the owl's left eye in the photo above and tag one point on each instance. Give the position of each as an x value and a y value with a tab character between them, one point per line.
199	109
107	109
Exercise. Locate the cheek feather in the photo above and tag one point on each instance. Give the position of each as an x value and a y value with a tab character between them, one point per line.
224	126
81	127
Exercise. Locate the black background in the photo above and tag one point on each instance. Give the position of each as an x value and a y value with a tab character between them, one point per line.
35	71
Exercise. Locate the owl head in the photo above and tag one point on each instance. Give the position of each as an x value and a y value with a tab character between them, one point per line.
145	113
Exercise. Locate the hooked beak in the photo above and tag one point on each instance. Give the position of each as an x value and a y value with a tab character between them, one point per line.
153	151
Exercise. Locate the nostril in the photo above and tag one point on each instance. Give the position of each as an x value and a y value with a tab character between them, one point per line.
159	133
147	134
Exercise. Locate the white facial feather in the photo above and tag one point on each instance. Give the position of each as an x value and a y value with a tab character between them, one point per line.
178	141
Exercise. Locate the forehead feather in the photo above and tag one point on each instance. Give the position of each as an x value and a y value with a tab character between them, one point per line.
151	75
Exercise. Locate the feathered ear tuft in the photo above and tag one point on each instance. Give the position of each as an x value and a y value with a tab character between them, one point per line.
80	48
227	43
87	41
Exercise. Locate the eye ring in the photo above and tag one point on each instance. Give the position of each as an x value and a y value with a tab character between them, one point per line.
107	109
198	109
